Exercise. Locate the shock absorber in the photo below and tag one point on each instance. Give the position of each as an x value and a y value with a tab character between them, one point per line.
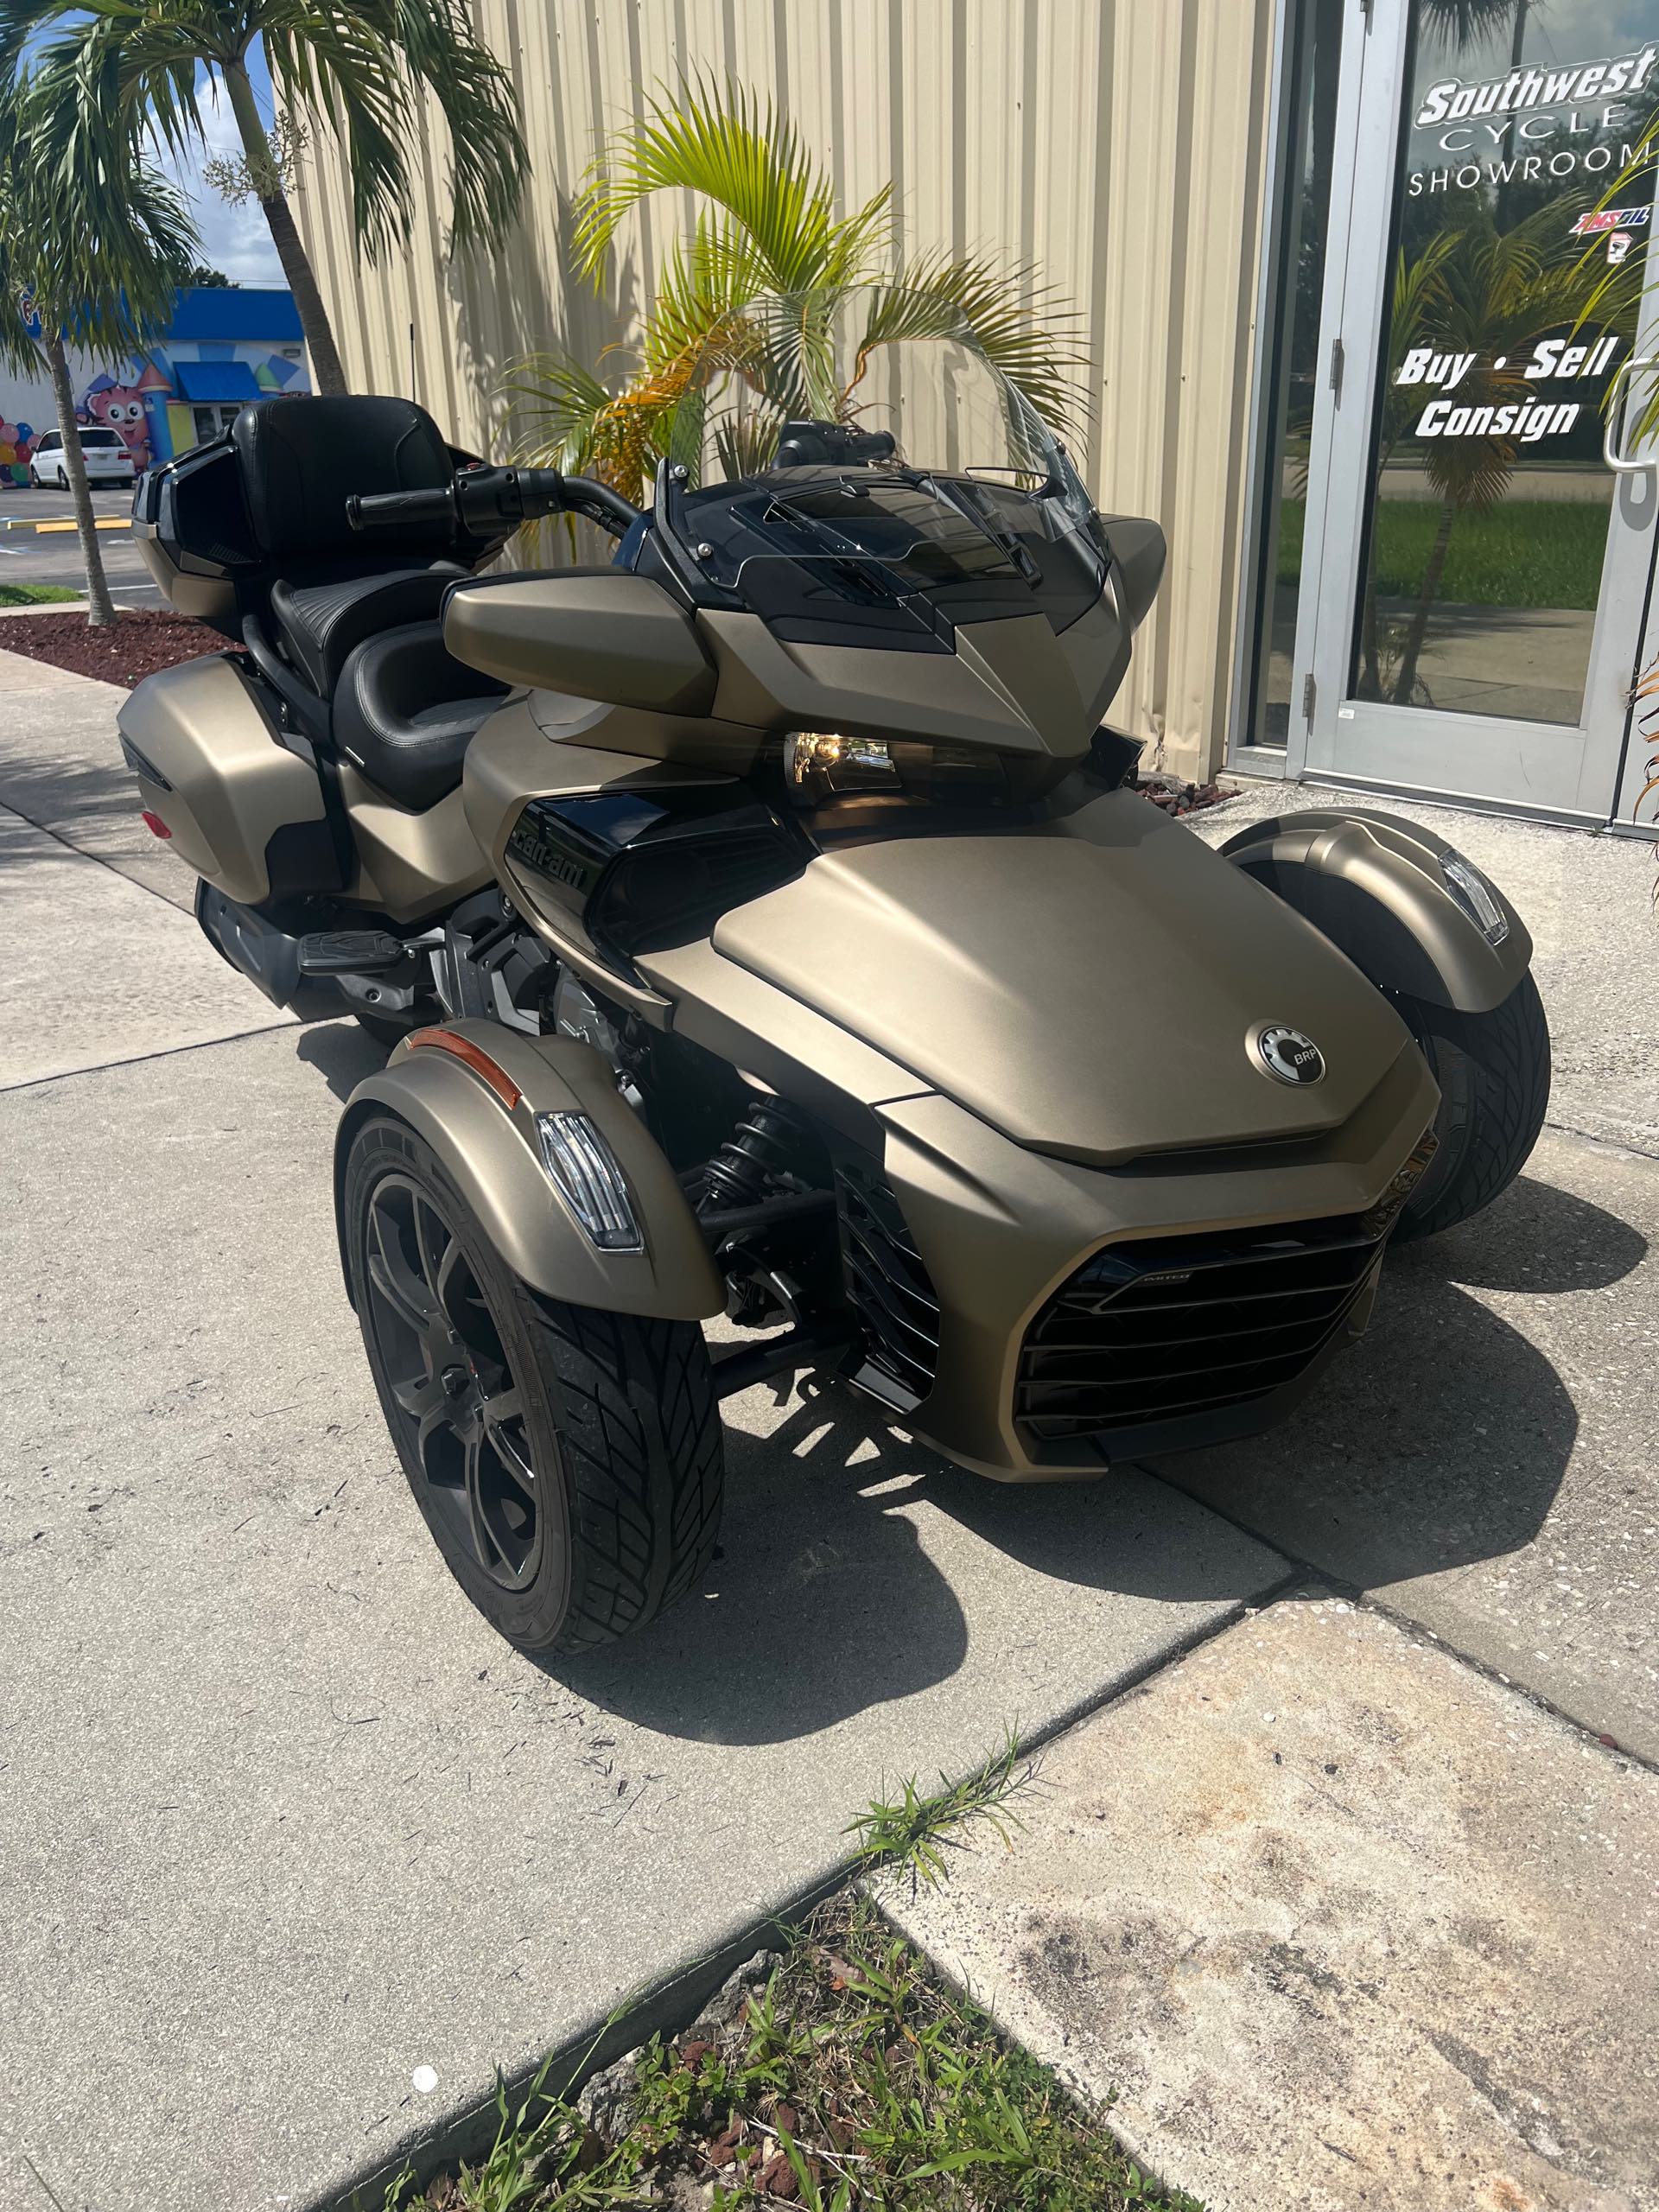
752	1163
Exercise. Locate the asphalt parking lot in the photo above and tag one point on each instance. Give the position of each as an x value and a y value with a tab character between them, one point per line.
54	558
287	1823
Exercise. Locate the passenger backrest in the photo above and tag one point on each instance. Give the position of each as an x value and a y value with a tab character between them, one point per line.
301	459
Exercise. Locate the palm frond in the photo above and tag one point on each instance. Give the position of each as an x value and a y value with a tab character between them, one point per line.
998	308
99	241
131	68
488	159
734	150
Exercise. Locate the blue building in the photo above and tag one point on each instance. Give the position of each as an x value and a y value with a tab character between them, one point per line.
226	346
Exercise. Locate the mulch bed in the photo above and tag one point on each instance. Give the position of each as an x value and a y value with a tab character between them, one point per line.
139	641
1181	799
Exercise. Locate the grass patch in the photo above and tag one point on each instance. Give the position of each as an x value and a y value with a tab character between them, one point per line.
847	2079
912	1832
36	594
1525	553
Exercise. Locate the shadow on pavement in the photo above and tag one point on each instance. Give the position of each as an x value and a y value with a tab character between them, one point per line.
825	1600
92	797
342	1054
1536	1239
1442	1439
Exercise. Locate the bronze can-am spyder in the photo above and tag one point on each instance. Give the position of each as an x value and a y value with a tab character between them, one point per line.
764	930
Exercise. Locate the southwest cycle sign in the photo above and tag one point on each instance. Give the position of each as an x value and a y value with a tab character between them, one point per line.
1533	124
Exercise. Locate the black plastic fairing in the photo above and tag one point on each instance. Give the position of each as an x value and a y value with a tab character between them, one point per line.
643	870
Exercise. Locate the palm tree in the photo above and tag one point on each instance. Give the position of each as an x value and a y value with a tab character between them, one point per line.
92	254
767	226
139	71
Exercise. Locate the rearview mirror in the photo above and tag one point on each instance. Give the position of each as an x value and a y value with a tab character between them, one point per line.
594	633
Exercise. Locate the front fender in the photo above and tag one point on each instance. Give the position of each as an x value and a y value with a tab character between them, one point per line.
1373	884
490	1152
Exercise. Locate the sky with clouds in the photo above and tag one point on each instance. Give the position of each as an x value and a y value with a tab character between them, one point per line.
235	240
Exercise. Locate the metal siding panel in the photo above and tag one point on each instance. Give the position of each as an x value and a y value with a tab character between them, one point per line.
1116	143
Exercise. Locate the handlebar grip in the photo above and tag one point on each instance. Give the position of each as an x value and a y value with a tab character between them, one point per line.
393	510
483	502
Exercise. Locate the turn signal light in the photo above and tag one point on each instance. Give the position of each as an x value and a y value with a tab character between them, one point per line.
487	1069
587	1175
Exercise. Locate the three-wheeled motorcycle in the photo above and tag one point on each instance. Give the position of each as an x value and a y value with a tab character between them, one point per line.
765	924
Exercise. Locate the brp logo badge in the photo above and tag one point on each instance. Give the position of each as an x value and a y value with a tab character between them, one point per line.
1286	1055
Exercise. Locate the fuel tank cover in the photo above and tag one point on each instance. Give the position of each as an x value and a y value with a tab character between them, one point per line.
1094	987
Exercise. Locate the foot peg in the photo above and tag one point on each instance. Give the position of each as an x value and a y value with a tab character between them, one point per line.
350	952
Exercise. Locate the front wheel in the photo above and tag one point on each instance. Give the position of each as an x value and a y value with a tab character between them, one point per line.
1493	1071
568	1462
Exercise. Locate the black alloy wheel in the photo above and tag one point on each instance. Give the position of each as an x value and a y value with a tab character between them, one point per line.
566	1459
462	1414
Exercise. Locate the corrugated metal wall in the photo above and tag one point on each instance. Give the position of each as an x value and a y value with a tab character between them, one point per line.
1118	143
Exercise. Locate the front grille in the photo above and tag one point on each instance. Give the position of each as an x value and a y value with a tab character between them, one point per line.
1157	1331
887	1286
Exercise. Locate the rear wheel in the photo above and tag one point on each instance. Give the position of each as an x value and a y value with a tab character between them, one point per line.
1493	1071
566	1461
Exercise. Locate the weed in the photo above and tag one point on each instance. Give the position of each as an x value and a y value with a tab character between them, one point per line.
851	2081
912	1832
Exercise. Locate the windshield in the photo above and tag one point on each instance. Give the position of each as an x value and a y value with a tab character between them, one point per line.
101	438
859	455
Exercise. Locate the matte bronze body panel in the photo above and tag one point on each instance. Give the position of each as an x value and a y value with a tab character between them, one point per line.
600	634
1088	987
413	863
1013	686
794	1050
205	599
1001	1227
492	1155
233	785
1372	883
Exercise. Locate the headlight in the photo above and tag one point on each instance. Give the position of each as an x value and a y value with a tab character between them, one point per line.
1475	895
818	762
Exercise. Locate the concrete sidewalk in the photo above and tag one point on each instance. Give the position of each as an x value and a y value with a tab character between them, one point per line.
1339	1923
286	1821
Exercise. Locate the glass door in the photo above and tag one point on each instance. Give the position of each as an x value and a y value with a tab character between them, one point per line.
1475	578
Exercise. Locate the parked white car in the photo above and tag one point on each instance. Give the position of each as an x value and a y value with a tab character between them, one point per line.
108	461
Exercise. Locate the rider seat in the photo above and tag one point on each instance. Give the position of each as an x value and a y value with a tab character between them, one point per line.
405	711
357	621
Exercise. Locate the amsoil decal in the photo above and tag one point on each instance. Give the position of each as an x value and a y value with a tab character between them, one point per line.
1534	123
1610	219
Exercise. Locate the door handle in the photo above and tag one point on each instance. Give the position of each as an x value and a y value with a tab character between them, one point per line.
1621	463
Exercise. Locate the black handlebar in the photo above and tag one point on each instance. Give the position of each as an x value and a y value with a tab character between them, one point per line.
483	502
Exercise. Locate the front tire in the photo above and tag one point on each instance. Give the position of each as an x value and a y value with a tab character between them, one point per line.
1493	1071
568	1462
